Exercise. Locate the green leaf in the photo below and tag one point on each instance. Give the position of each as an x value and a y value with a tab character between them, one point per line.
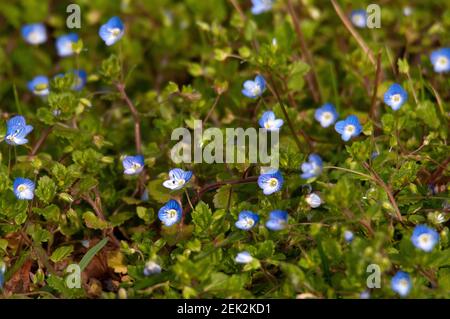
202	217
92	221
84	262
46	189
61	253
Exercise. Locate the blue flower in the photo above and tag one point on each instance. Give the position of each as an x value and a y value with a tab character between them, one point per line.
395	96
359	18
243	257
440	59
270	122
177	179
326	115
270	182
170	213
34	33
17	130
23	188
39	85
313	200
277	220
133	165
349	127
260	6
364	295
313	167
424	238
401	283
2	274
348	236
64	44
111	31
151	268
247	220
254	89
80	79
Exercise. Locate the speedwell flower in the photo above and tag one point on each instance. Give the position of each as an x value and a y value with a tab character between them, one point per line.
177	178
270	122
170	213
395	96
270	182
313	200
260	6
80	79
348	236
151	268
326	115
34	33
277	220
254	89
133	165
17	130
111	31
401	283
23	188
243	257
424	238
2	274
349	127
440	59
39	85
247	220
358	18
64	44
313	167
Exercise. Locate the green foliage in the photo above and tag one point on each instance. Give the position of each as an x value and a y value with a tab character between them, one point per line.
180	61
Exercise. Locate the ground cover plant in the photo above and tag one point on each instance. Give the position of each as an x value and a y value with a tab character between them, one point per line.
93	204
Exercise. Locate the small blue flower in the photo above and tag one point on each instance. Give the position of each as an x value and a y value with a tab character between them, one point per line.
313	167
247	220
348	236
270	182
133	165
39	85
270	122
34	33
151	268
359	18
80	79
374	155
395	96
170	213
364	295
2	274
254	89
64	44
326	115
177	178
261	6
401	283
277	220
243	257
440	59
313	200
349	127
17	130
111	31
424	238
23	188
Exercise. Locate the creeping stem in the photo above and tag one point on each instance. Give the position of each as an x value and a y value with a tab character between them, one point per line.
137	121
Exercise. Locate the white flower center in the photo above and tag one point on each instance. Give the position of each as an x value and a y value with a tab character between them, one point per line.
171	213
181	182
442	61
22	188
114	31
327	116
249	222
359	20
269	124
34	37
403	283
424	239
396	98
350	129
136	166
273	182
